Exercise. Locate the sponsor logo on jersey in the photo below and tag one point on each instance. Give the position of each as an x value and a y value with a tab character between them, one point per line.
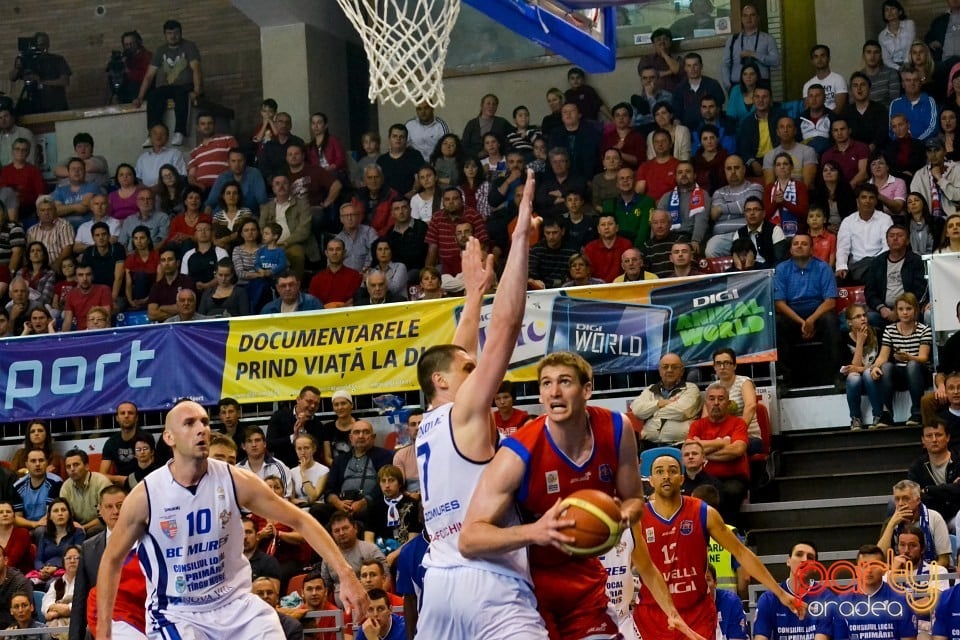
553	482
584	478
686	527
225	518
650	535
168	526
606	473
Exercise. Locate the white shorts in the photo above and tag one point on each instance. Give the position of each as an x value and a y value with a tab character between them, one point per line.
246	618
124	631
464	603
628	628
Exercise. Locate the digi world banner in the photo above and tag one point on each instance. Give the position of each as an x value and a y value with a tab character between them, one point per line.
371	350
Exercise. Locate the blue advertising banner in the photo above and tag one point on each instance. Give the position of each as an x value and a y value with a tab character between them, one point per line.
89	373
617	328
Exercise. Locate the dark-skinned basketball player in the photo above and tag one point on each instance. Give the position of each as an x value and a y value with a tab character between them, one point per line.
677	530
571	447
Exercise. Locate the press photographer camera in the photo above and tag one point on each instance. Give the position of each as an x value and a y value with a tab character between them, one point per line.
116	73
29	58
45	76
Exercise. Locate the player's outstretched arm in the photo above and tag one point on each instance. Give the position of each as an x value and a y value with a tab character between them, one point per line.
483	534
651	577
129	528
477	277
254	495
476	393
629	484
749	561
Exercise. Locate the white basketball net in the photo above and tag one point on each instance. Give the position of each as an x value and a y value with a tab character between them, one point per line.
406	43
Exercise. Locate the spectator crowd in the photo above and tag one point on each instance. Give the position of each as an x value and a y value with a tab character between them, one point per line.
846	186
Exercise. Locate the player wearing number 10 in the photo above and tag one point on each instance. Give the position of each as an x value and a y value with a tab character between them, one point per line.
186	517
467	599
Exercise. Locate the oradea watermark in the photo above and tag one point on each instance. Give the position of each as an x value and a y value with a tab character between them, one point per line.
846	577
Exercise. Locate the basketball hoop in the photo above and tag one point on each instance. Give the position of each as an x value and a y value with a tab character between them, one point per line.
406	44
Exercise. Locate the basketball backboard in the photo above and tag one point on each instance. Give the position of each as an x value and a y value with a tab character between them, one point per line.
584	36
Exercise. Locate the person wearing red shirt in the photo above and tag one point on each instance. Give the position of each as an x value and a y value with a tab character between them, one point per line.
24	178
211	156
441	238
604	253
724	440
84	297
658	176
337	283
574	446
508	419
315	598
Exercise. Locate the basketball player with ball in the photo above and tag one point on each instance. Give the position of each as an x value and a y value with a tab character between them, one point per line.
677	529
564	470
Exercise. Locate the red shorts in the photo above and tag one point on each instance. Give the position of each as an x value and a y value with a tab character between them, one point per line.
574	604
652	621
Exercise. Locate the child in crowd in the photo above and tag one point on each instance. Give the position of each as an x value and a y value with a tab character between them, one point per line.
271	261
427	199
581	228
539	162
266	129
447	158
824	242
370	141
523	136
65	284
586	97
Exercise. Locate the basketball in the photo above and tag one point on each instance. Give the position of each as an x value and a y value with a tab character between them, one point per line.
596	519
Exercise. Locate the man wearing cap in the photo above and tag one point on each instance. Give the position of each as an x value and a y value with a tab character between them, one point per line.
9	132
335	435
938	180
285	425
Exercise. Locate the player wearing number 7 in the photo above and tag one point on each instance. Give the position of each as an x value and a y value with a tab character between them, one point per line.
571	447
186	517
677	529
465	599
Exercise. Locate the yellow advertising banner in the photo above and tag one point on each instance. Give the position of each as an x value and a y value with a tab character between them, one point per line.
363	350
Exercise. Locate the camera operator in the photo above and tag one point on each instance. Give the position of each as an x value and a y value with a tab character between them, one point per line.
126	72
45	76
180	80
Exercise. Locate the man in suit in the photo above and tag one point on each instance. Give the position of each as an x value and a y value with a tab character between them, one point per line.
285	425
111	499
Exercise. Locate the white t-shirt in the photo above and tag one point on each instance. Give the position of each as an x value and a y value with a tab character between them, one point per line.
832	85
314	475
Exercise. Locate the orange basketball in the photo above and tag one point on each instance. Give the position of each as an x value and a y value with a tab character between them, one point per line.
597	525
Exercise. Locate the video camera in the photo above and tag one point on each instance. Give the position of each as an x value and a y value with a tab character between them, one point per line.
29	56
116	71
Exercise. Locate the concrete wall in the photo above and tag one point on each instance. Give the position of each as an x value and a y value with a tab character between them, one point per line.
529	87
229	44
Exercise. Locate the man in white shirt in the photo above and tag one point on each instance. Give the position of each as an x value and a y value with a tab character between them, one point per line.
834	84
425	131
159	154
861	237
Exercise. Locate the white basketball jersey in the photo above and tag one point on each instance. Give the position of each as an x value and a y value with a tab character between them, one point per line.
192	551
617	562
447	483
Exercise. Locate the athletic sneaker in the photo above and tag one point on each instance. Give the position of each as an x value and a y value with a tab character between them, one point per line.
884	420
856	424
177	139
914	421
